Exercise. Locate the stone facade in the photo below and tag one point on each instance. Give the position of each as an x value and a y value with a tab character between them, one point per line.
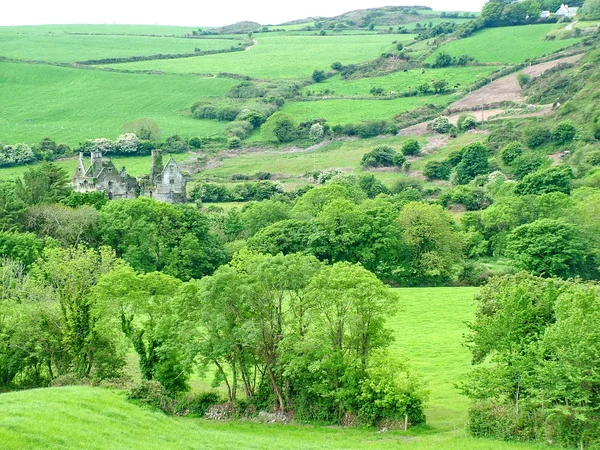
165	183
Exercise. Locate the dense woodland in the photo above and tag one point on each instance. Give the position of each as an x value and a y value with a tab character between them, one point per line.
284	300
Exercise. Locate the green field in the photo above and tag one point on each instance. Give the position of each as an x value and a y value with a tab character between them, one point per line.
158	30
342	111
506	44
340	154
403	81
280	56
70	105
428	330
72	48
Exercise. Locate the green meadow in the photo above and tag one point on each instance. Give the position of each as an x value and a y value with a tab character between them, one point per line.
73	105
511	45
157	30
73	48
402	81
342	111
280	56
428	332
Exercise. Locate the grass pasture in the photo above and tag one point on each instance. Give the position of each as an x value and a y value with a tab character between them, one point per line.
71	105
280	56
75	47
342	111
141	30
403	81
512	45
428	329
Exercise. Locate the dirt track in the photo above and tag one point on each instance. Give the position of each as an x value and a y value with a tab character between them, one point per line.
505	89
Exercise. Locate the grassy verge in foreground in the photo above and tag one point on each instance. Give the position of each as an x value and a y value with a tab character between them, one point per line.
428	329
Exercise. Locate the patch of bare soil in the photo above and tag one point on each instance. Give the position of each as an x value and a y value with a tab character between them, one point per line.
434	143
506	89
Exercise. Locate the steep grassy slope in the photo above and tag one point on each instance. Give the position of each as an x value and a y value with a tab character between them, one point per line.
280	56
70	105
511	45
428	330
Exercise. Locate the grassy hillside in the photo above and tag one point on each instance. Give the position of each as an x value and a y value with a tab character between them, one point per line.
72	48
402	81
511	45
280	57
428	329
72	105
158	30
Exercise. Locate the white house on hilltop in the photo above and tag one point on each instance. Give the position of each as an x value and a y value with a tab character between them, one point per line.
566	11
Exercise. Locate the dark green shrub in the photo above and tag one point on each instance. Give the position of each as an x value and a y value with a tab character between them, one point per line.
437	170
466	122
523	79
593	158
527	163
198	404
399	159
318	76
474	162
511	151
151	393
544	181
564	132
535	137
411	147
380	156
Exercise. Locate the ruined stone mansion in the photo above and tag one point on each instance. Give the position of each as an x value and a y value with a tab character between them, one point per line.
165	183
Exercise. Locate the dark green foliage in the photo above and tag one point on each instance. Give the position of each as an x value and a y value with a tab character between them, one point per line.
411	147
135	229
593	158
246	89
279	127
44	184
535	137
523	79
380	156
471	197
550	248
474	162
442	60
22	247
286	236
536	341
552	179
176	144
466	122
527	163
437	170
213	192
372	186
564	132
511	151
318	76
96	199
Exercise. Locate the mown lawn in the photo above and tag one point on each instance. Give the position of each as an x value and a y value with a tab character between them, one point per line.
428	330
70	105
280	56
511	45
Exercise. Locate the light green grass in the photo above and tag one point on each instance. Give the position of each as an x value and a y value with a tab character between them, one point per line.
402	81
280	56
339	154
72	48
70	105
342	111
435	21
428	328
506	44
159	30
135	165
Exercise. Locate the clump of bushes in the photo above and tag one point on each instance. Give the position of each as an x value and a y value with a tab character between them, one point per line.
411	147
382	156
214	192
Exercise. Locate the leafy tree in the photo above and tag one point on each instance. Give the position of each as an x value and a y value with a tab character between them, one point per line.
11	207
380	156
564	132
535	137
411	147
437	170
432	242
552	179
153	236
286	236
550	248
511	151
47	183
147	316
22	247
528	163
69	226
319	76
279	127
258	215
442	59
474	162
